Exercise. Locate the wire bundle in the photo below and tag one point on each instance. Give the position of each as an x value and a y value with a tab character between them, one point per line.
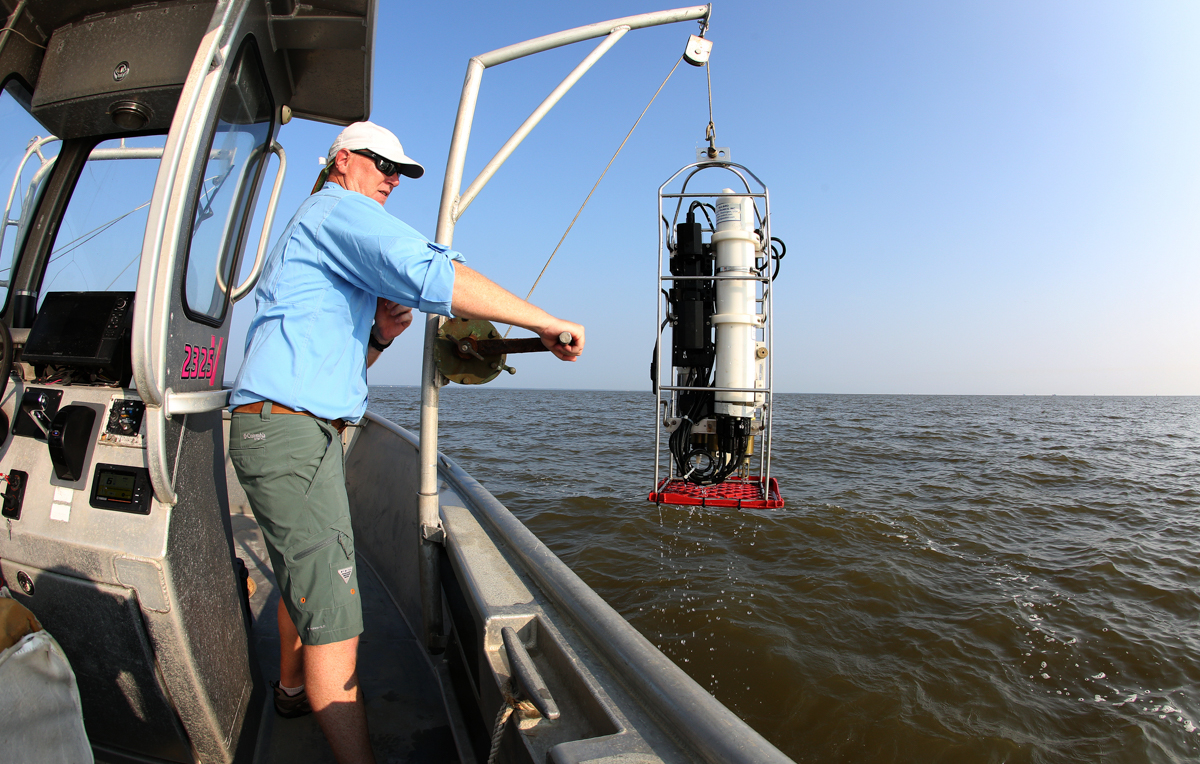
695	463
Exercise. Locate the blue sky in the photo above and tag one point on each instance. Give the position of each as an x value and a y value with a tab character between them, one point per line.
984	198
976	197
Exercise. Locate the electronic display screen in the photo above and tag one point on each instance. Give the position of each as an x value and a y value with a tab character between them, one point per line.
121	488
70	327
115	486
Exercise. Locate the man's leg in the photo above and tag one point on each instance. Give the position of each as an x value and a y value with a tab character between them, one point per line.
298	493
331	679
291	658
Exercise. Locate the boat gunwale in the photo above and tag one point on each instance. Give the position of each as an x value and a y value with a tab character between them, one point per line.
673	699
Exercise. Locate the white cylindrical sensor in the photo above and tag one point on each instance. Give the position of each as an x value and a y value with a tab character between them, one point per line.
735	320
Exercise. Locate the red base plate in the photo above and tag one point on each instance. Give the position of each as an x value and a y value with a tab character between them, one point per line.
734	492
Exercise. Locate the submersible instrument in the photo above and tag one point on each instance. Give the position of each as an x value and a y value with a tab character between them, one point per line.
717	267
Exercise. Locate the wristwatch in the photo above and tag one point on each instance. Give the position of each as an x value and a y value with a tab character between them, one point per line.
375	343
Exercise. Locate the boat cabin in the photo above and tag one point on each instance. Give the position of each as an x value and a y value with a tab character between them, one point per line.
123	236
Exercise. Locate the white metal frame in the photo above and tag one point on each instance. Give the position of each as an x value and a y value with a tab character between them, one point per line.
662	404
452	207
35	147
264	238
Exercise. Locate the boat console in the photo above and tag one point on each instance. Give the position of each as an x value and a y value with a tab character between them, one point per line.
127	223
138	593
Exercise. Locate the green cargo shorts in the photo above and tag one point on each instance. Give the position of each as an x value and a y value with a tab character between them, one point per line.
293	471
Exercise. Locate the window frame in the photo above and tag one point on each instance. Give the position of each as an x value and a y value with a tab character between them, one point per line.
255	184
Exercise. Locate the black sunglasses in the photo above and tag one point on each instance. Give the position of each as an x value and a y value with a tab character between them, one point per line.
385	166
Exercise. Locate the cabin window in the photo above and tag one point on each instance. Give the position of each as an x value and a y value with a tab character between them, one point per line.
99	242
27	154
228	187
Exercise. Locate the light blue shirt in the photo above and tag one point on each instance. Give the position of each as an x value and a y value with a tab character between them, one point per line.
307	343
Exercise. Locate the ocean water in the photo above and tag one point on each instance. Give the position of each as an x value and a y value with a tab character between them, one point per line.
953	579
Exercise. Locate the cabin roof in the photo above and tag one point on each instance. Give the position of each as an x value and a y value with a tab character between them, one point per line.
325	47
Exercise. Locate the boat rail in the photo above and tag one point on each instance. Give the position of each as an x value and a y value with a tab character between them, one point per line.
451	209
676	700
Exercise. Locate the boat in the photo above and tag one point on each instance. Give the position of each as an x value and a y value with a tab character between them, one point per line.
126	534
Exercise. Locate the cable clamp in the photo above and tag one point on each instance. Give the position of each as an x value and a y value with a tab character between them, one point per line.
434	533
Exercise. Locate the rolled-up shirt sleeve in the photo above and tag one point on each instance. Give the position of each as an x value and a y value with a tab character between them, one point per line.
432	272
386	257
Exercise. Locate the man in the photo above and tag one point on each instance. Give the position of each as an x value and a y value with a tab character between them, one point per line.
341	261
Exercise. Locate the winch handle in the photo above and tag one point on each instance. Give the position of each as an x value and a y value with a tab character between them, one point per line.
471	347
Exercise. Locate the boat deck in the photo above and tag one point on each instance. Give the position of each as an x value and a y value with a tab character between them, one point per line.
405	710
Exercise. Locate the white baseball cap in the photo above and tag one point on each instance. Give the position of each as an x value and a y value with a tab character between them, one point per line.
370	136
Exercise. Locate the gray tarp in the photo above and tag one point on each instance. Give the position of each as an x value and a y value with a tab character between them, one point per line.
40	717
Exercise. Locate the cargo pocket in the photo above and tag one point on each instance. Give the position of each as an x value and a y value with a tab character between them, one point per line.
323	572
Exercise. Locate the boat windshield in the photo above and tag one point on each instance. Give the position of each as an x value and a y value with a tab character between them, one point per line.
99	240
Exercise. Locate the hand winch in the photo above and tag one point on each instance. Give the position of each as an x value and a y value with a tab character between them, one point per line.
471	352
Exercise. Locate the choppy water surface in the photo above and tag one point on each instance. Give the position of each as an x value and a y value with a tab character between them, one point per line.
953	579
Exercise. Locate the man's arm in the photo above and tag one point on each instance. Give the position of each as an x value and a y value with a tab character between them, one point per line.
477	296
